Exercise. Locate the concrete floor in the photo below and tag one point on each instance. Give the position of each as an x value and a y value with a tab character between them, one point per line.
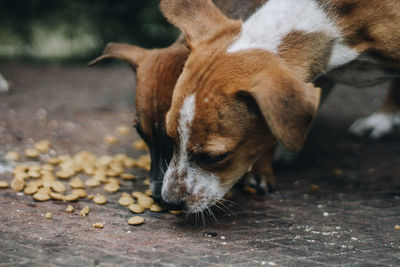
319	216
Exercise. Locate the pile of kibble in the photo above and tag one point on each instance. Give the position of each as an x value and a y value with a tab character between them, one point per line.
45	178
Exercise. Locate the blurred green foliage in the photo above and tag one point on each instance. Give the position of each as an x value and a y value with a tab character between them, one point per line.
132	21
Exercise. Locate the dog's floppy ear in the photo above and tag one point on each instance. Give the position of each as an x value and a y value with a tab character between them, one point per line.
288	106
130	53
199	20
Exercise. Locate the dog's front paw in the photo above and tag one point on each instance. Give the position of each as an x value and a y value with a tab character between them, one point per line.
377	125
263	183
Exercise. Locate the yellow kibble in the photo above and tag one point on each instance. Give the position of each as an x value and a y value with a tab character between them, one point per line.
85	211
98	225
140	145
137	194
79	192
41	196
145	201
397	227
3	184
30	189
136	220
37	183
43	146
69	209
110	140
92	182
123	130
175	212
148	192
45	190
100	199
56	196
54	161
156	208
125	201
48	215
127	176
77	183
12	156
136	208
63	174
71	197
32	153
58	186
111	187
17	184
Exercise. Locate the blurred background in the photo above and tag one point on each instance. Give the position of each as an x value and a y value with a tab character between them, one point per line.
71	30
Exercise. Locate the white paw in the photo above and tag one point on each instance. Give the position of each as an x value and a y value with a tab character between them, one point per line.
3	84
377	125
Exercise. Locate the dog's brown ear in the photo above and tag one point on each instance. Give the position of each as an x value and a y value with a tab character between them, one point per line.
130	53
288	106
199	20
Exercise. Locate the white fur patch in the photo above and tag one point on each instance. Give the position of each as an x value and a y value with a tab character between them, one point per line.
377	125
266	28
203	186
3	84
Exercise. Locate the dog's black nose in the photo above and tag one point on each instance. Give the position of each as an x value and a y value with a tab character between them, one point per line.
173	205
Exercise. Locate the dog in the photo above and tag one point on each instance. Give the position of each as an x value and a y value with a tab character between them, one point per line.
157	71
247	86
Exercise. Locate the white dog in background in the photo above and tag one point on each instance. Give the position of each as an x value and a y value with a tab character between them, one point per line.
4	86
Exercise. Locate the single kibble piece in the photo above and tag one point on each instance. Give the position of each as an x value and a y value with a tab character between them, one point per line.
138	194
175	212
314	187
41	196
148	192
54	161
33	174
92	182
397	227
84	211
111	187
98	225
123	130
3	184
63	174
32	153
79	192
125	201
30	189
140	145
77	183
70	209
58	186
136	208
156	208
100	199
250	190
146	181
47	167
43	146
48	215
110	140
17	184
45	190
136	220
145	202
56	196
71	198
12	156
127	176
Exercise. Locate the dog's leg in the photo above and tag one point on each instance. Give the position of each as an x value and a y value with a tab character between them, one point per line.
262	177
383	121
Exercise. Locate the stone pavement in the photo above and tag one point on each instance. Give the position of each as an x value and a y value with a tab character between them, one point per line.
336	204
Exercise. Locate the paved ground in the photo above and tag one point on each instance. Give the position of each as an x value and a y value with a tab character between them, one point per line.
346	218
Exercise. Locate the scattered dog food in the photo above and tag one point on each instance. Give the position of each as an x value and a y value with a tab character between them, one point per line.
125	200
48	215
136	220
156	208
71	197
17	184
98	225
43	146
3	184
136	208
85	211
77	183
70	209
100	199
56	196
41	196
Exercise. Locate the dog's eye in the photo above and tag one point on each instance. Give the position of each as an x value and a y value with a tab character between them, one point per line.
208	158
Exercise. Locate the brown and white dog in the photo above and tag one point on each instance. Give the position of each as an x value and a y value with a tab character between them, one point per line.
157	71
248	85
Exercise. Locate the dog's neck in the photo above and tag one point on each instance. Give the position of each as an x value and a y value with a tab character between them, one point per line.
300	32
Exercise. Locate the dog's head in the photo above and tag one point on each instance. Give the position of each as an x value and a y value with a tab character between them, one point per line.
227	108
157	71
